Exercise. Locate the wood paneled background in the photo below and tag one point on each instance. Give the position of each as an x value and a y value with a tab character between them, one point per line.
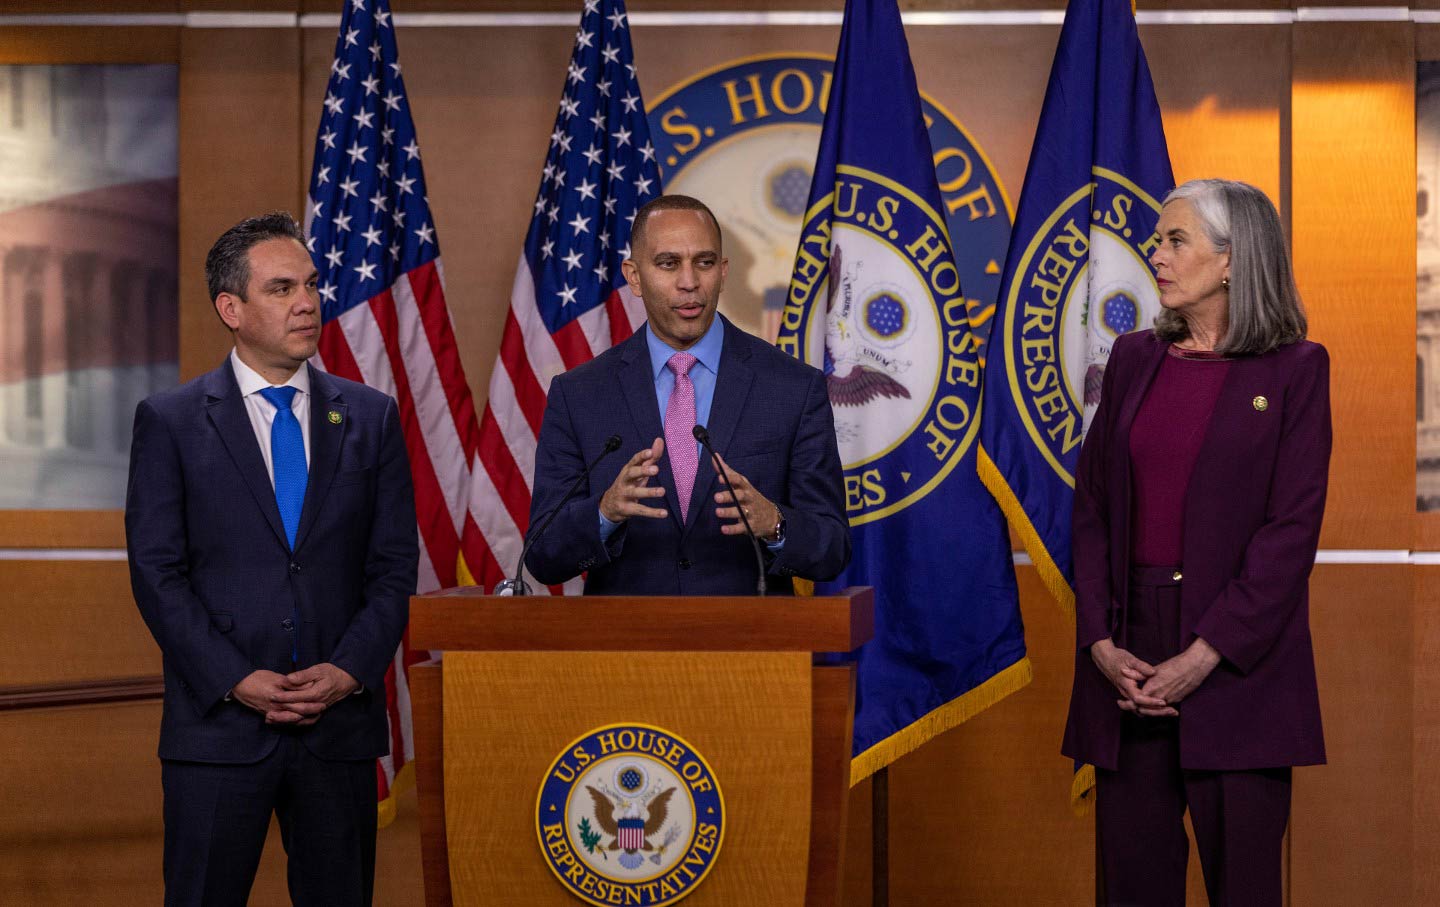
1318	114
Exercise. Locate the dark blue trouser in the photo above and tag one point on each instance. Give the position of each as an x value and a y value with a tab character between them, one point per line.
217	817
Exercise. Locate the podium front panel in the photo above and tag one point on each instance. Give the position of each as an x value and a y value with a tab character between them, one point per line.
508	717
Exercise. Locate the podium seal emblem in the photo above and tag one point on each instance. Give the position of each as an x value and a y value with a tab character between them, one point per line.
630	814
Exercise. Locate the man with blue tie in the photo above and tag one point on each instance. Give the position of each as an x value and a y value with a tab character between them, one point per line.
662	522
271	531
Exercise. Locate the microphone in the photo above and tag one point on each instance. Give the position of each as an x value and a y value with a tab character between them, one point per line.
518	586
703	437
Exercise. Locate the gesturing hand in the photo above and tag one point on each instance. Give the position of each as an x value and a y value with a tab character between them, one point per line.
764	516
1127	674
626	495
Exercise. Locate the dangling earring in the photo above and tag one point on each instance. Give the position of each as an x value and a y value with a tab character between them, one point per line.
1225	282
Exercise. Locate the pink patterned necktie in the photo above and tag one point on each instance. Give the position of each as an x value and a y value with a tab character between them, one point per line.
680	428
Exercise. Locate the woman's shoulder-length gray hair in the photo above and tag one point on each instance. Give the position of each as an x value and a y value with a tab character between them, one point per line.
1265	308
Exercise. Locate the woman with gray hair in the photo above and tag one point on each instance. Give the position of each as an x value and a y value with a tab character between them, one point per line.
1198	501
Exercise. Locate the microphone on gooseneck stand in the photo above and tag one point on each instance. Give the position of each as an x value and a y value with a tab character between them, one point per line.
703	437
518	586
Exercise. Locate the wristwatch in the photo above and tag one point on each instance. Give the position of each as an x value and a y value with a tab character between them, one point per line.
779	535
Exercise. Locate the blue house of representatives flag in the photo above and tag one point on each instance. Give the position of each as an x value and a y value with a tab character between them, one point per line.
1076	277
875	301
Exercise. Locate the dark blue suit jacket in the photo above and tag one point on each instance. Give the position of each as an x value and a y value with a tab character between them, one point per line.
770	419
1251	529
220	589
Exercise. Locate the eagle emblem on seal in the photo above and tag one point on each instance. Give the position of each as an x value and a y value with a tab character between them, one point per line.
848	381
622	819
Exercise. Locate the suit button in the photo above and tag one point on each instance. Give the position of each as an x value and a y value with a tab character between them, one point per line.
287	624
1177	576
684	563
294	567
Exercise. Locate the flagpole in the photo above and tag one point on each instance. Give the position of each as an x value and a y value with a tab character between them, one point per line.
880	838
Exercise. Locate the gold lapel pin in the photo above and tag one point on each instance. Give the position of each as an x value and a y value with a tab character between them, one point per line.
335	417
1260	404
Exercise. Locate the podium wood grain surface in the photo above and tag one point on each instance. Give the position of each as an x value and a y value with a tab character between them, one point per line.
734	677
508	715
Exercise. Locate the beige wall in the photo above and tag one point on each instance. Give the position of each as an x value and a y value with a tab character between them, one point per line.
1320	115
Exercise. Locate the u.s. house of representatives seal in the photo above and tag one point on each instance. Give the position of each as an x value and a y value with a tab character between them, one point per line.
877	298
630	814
1084	280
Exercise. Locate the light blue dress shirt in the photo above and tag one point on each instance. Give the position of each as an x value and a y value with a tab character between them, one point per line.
702	374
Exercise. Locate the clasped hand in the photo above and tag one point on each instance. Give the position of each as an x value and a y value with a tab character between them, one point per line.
297	699
1154	691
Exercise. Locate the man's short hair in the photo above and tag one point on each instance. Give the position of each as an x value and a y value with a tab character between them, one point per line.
669	203
227	266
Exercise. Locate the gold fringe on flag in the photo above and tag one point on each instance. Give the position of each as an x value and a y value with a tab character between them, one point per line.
938	721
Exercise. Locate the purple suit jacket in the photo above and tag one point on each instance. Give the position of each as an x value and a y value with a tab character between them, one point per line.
1251	528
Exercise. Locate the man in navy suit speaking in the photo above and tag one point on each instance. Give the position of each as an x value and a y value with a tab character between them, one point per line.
659	520
271	530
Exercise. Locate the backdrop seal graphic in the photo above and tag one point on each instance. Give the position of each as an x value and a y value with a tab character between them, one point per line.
743	135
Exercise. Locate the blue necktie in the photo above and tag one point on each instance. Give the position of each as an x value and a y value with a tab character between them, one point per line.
287	455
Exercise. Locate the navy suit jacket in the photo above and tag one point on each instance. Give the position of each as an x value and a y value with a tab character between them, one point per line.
1251	528
770	419
219	587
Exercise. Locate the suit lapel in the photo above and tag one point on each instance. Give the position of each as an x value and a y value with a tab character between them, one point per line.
226	410
327	436
732	387
637	382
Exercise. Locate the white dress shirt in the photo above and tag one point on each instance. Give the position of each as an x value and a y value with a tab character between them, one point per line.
262	411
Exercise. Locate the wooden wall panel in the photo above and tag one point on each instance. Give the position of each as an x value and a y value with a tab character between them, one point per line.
1354	244
82	805
982	814
41	44
21	7
240	155
82	815
1350	827
1228	123
1426	752
62	529
77	621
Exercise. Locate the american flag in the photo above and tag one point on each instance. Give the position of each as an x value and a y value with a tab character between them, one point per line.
383	307
569	302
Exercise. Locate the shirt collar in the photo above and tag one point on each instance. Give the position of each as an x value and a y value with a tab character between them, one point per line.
706	351
251	381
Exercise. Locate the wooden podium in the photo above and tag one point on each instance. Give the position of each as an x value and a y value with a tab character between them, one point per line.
523	678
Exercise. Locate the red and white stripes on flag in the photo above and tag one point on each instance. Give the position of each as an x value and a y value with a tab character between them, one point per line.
510	424
401	342
569	302
630	834
385	320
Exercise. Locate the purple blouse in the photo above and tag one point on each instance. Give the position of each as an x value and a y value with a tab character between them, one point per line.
1164	445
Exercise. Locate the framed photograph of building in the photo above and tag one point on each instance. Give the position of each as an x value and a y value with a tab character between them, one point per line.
88	308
